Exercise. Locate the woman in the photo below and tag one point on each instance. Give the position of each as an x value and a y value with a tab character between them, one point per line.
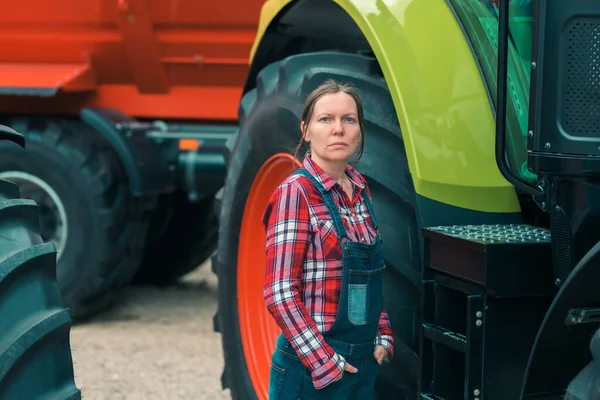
323	281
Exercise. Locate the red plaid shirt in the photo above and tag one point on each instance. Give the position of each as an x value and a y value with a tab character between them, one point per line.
303	275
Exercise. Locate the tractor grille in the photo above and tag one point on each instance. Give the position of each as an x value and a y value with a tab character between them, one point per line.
581	88
562	243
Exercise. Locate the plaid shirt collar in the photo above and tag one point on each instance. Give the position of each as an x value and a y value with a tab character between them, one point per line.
327	181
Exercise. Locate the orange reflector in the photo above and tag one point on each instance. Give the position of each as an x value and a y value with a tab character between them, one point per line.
189	144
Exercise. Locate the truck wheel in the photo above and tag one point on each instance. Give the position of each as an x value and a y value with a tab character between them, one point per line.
35	352
260	160
182	235
86	208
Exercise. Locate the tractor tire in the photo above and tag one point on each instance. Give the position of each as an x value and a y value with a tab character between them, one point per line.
86	208
182	235
35	351
259	161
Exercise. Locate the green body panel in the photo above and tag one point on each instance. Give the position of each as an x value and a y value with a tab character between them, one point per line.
441	99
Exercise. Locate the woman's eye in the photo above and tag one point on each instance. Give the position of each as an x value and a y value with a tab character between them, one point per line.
324	119
350	119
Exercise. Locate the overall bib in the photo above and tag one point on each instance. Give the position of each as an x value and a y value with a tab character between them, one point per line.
353	332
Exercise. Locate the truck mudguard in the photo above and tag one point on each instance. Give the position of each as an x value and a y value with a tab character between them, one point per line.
7	133
142	159
440	97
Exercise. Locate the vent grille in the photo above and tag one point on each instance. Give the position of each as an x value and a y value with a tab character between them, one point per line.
562	243
582	92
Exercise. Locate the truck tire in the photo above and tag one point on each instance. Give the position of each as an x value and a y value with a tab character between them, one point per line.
35	352
260	160
85	208
182	235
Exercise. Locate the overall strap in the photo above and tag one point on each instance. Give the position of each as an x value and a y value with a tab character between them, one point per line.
329	202
370	208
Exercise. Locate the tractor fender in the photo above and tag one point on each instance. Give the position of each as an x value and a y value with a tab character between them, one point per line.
440	98
147	170
562	347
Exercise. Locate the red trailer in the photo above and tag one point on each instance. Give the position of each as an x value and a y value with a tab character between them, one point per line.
126	105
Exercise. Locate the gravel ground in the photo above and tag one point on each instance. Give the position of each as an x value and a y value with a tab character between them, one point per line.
158	344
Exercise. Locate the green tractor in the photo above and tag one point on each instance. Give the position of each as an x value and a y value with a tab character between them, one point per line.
35	351
483	156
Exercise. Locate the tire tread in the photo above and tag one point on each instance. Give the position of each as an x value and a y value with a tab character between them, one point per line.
34	323
89	290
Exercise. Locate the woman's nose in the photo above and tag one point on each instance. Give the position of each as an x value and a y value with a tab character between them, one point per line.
338	128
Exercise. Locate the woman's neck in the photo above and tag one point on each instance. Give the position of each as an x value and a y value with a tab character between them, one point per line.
336	170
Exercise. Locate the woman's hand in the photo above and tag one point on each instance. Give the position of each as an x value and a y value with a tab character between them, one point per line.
380	354
348	368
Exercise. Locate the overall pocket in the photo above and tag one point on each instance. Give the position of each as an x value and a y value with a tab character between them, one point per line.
276	381
365	295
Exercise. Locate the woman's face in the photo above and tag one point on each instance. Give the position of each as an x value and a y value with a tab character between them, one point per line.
333	132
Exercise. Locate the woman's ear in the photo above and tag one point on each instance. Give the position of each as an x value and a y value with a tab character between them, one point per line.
304	133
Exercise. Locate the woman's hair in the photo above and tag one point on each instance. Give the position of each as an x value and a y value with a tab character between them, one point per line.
329	87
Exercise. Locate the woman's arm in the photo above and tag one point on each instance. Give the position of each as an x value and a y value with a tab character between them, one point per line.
384	335
289	232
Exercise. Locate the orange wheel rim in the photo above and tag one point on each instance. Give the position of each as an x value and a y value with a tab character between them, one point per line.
257	327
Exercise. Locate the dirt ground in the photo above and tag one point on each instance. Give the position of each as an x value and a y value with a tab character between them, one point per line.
158	344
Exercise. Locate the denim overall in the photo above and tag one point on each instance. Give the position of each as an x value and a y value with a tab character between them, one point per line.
353	332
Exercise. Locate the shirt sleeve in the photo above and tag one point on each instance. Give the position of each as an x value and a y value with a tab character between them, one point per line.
384	335
288	235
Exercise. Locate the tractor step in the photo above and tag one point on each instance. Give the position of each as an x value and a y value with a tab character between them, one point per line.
449	338
485	291
506	260
428	396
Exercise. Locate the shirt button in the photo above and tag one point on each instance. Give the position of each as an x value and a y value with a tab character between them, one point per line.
363	238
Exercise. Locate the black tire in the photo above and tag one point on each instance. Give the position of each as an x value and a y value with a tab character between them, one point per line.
182	235
35	351
269	118
106	225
